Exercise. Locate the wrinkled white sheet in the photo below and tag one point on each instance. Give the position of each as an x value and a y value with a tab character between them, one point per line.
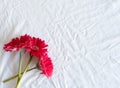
83	38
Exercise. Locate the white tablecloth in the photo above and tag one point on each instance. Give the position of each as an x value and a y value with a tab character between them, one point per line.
83	38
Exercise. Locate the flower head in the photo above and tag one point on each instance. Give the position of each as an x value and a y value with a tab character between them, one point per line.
17	43
46	65
37	47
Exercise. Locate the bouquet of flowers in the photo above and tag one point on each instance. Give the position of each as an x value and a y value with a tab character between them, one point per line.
37	48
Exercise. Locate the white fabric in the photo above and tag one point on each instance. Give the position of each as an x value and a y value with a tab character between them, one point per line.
83	38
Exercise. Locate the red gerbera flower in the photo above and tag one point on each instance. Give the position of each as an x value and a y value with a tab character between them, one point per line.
46	65
37	47
17	43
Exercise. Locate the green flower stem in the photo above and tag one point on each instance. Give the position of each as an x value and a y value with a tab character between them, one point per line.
26	68
6	80
20	65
